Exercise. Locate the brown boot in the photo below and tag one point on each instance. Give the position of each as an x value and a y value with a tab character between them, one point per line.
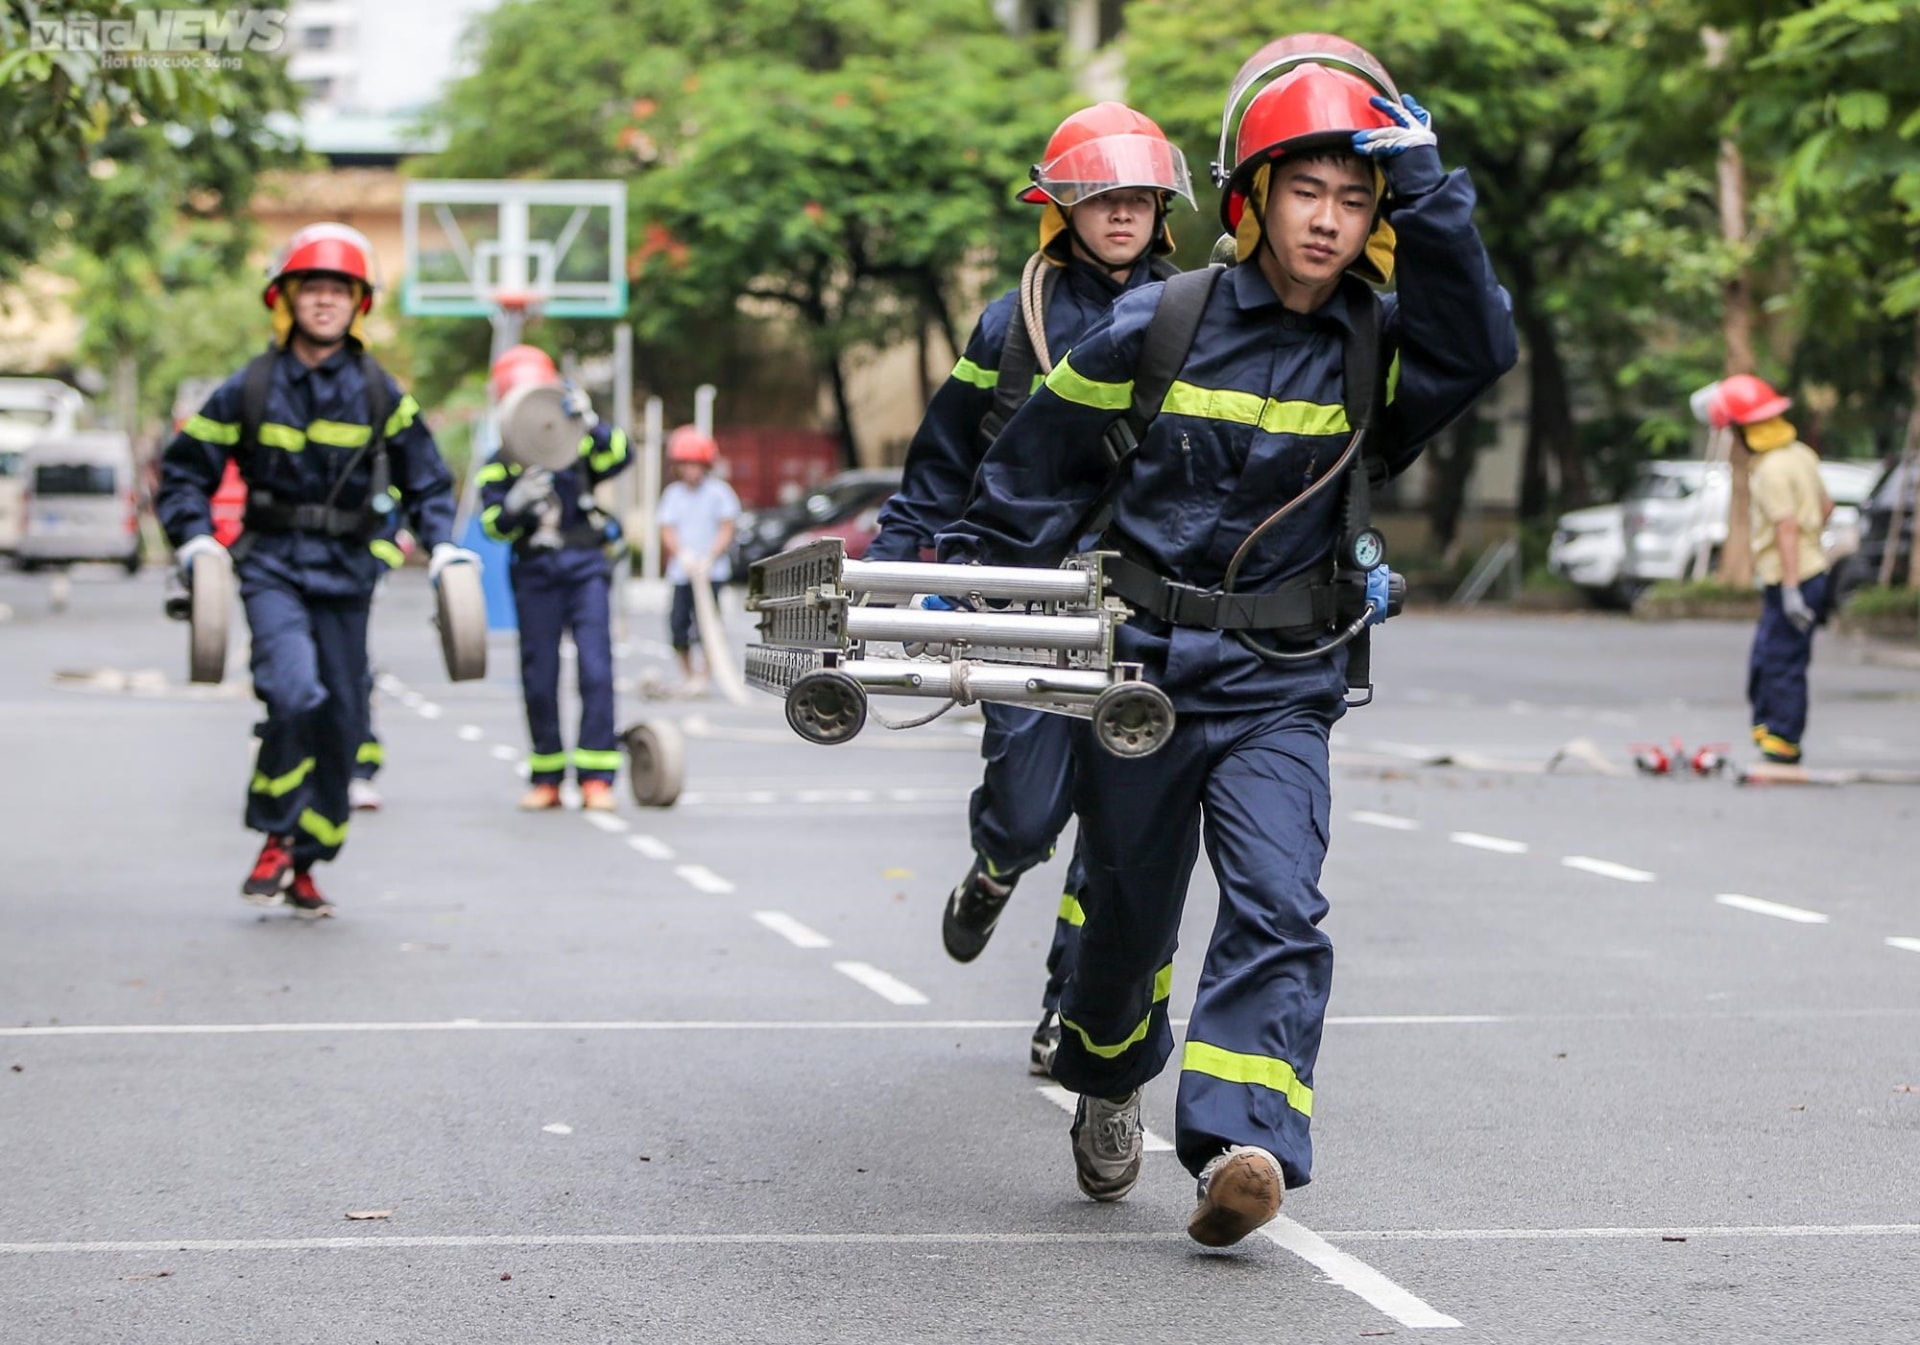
1239	1191
596	796
540	798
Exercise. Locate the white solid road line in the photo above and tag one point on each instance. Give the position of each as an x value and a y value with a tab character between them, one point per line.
471	733
1904	944
651	846
704	878
607	822
1499	845
1070	1103
892	990
402	1241
1797	914
1356	1276
1387	820
1606	868
792	930
632	1025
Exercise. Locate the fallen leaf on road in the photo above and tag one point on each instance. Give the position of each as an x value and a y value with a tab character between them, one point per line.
147	1275
19	1069
1671	1237
897	873
1798	1107
1898	1088
506	1275
369	1214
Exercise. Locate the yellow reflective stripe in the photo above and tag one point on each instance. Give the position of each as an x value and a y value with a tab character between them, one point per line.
338	434
394	491
587	759
969	372
615	454
371	754
388	552
323	831
494	471
1071	911
280	786
403	415
1076	387
1162	989
1247	408
1263	1070
1393	378
211	431
1038	379
490	524
545	763
282	436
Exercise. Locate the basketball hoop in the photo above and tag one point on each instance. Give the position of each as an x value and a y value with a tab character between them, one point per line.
523	303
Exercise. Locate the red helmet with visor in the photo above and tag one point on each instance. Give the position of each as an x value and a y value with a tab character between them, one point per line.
1744	400
1104	148
330	249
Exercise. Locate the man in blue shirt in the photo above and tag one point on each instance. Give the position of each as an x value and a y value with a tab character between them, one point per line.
1224	493
329	446
1104	187
697	516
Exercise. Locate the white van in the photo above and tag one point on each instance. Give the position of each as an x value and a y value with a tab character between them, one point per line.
81	501
30	409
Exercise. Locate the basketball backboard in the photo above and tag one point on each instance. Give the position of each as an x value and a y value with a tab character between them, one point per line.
472	244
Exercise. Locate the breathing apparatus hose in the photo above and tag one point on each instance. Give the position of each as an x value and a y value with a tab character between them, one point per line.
1346	462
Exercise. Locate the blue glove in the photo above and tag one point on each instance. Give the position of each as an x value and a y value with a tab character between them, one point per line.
1377	594
933	602
1413	128
576	406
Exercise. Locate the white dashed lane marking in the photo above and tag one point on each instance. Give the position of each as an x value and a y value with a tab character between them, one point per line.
651	846
1606	868
1385	820
607	822
795	933
704	878
1779	911
1904	944
889	988
501	752
1499	845
1070	1103
471	733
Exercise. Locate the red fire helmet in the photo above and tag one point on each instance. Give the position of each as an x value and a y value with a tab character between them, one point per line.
520	365
1310	107
689	444
1104	148
1744	400
330	249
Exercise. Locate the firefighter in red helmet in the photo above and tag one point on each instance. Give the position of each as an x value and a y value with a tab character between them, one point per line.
1104	186
330	448
1221	431
1789	508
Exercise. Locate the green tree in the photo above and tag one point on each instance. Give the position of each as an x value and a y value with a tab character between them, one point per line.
847	165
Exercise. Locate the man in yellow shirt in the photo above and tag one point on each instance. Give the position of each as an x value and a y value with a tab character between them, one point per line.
1790	508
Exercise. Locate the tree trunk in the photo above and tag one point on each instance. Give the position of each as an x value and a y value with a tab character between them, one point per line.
1450	461
1736	327
1550	437
843	408
1905	501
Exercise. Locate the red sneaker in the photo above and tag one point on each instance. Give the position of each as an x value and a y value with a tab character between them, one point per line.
272	873
306	900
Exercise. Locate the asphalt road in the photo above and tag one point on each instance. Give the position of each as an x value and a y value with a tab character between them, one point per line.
1612	1058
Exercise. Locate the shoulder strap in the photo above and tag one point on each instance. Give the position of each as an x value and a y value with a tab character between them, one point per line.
255	384
1019	363
1170	333
1159	268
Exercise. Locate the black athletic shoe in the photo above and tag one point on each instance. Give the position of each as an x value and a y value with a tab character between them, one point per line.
1044	1046
972	912
272	873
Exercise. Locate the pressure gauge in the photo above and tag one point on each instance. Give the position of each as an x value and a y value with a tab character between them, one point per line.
1367	549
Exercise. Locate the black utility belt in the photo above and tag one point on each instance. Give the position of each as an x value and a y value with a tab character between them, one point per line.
580	538
1301	609
326	520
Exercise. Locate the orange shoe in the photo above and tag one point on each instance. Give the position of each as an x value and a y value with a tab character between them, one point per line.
596	796
540	798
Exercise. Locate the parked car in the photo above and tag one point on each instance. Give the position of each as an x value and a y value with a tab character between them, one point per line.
765	532
1876	526
81	501
1676	516
857	533
30	408
1588	548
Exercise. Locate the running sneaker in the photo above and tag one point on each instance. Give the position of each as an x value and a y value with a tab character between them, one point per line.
1107	1145
362	797
596	796
306	900
272	873
1240	1190
972	911
1044	1046
540	798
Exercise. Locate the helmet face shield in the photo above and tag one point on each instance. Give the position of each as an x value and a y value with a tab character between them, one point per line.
1287	53
1113	162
